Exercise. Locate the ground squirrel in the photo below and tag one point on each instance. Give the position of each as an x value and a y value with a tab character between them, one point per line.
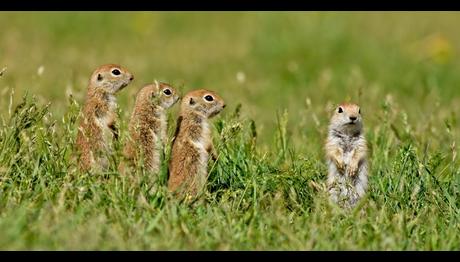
97	126
192	144
346	151
148	124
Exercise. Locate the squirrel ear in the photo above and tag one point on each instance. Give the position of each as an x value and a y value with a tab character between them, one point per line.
191	102
99	77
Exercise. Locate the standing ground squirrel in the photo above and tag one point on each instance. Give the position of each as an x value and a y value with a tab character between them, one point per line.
97	126
192	144
148	124
346	151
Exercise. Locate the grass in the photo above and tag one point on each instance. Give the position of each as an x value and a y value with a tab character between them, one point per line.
280	74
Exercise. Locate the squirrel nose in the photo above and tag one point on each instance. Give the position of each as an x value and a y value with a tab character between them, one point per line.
224	106
353	118
131	78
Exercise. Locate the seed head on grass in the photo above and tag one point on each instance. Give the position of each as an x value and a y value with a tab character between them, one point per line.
3	71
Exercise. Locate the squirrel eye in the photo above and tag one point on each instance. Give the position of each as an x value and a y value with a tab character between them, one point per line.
209	98
340	110
167	92
116	72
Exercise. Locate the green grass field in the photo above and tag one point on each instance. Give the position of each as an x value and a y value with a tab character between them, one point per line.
281	75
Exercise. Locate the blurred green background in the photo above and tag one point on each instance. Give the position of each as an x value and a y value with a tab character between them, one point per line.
304	62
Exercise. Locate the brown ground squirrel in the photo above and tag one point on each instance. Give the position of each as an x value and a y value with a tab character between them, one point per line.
346	151
192	144
97	126
148	125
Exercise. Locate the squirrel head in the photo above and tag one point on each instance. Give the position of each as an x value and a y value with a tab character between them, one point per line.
203	102
347	118
164	94
110	78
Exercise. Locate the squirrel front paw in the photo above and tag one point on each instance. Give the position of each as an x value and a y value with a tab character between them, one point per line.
340	165
352	170
213	156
